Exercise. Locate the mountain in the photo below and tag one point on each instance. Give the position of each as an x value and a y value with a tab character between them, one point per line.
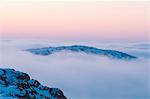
15	84
85	49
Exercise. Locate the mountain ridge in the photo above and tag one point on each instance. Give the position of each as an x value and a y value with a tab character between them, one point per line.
80	48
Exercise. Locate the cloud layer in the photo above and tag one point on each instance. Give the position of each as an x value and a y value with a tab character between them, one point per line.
79	75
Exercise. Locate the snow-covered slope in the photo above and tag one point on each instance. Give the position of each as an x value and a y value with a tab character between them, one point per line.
79	48
15	84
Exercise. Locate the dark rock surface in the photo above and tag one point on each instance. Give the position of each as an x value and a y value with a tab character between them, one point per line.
15	84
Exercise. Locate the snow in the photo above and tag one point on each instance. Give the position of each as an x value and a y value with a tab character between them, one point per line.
79	48
16	84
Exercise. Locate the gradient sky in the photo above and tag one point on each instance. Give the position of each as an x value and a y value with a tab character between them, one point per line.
108	21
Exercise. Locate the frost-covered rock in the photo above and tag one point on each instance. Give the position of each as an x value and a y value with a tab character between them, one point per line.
85	49
15	84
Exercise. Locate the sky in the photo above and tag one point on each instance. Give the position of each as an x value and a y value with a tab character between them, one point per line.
80	20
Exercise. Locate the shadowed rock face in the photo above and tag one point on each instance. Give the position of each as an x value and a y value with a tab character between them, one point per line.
16	84
85	49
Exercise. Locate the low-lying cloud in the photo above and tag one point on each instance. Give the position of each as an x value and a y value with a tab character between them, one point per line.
79	75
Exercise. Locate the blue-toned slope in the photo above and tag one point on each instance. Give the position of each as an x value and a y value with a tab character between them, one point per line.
85	49
18	85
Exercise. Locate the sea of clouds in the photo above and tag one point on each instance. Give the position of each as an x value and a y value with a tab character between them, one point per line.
80	75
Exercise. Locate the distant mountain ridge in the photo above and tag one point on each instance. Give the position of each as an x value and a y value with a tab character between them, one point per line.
80	48
15	84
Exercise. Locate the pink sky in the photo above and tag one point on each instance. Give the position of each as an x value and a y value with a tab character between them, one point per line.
75	20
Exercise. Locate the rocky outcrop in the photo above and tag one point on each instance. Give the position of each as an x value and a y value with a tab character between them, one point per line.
16	84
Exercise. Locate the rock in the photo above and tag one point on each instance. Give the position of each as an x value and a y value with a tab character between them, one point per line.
16	84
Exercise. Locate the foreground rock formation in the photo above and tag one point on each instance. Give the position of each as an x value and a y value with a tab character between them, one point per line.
15	84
